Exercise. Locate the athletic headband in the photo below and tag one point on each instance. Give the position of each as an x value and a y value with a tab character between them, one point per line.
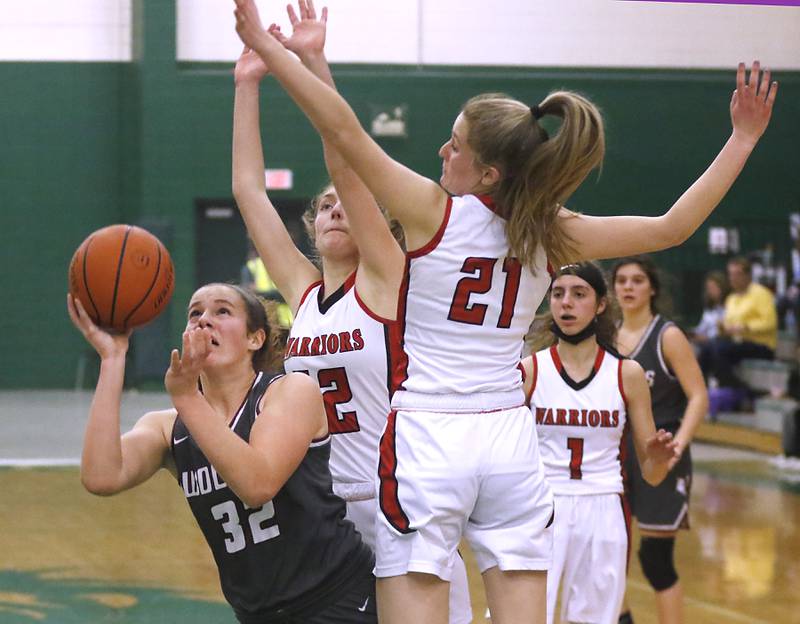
587	271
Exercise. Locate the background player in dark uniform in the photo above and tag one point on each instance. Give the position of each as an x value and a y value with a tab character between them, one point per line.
251	455
680	402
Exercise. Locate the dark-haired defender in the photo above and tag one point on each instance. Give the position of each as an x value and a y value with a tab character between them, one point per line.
250	453
680	402
587	400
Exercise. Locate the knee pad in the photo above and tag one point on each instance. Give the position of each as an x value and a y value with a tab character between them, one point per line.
656	557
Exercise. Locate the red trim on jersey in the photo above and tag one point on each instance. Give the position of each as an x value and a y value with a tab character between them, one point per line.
522	370
626	514
388	496
398	358
487	201
370	313
556	359
598	360
621	385
308	290
437	238
350	281
626	507
534	377
551	270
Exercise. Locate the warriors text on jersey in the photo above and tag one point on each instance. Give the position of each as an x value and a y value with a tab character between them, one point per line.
580	424
669	401
346	349
467	305
293	553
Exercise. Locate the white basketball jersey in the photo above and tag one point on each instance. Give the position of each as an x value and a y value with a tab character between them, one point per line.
580	424
345	348
467	305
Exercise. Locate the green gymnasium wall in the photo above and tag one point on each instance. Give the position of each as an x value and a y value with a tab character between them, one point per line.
86	145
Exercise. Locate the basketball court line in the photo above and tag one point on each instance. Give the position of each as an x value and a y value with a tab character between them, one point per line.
39	462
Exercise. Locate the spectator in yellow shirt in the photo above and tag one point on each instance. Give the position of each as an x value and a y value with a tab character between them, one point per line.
750	326
255	277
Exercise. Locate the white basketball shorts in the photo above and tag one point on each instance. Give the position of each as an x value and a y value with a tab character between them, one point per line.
444	475
590	556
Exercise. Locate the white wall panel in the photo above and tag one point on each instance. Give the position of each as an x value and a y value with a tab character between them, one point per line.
608	33
65	30
582	33
357	33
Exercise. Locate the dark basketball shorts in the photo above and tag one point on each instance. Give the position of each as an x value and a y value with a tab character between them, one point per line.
357	605
664	507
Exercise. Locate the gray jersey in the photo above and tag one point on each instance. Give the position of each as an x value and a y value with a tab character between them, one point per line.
669	401
293	554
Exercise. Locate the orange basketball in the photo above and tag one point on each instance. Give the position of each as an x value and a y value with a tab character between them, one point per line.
123	276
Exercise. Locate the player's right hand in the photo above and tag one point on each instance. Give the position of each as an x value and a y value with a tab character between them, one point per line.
106	344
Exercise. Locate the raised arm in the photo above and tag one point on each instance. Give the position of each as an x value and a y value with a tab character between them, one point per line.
680	358
614	237
381	257
292	416
655	450
291	271
111	463
415	201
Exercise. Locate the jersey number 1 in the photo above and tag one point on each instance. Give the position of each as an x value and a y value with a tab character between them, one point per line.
462	311
575	446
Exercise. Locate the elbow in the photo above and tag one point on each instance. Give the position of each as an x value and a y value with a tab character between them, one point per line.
675	238
257	498
98	486
255	495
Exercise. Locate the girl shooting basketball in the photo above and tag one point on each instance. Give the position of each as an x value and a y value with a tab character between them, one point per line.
250	452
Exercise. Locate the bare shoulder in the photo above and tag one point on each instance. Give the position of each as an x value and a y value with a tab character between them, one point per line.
159	420
632	373
674	336
676	347
293	386
293	390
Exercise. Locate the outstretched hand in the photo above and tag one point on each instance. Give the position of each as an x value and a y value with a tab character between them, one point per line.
248	24
662	447
751	104
308	32
106	344
249	67
184	368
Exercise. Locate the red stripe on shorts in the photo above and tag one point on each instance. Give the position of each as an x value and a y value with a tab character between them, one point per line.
387	466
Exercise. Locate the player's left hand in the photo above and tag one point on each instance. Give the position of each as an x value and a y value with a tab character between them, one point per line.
308	32
185	367
662	447
752	101
248	24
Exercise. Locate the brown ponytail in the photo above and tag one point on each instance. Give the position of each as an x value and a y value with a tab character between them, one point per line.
538	172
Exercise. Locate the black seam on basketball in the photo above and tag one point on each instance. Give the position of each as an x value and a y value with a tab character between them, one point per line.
86	282
119	270
149	290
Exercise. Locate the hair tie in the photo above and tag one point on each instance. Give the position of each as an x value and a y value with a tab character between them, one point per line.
536	111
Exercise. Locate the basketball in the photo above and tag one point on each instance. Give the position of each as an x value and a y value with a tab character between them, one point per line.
123	276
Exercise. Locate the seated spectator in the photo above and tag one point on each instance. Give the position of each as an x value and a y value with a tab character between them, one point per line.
715	291
749	328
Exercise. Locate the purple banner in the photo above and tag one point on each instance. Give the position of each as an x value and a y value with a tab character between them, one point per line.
795	3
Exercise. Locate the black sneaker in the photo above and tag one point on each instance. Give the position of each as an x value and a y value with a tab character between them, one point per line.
625	618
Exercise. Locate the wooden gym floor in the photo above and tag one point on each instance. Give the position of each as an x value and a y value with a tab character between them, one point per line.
69	557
